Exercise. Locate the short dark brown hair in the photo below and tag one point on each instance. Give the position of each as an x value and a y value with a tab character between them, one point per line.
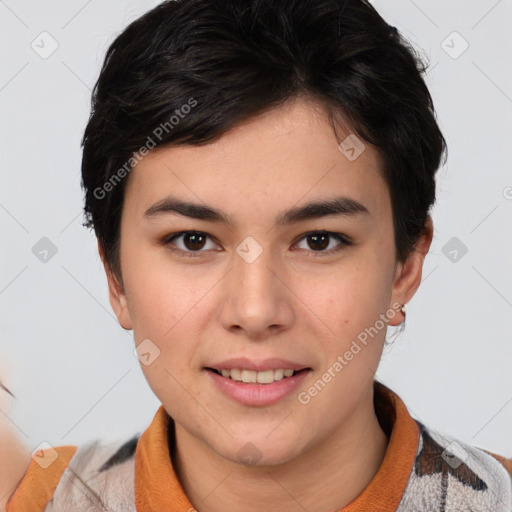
190	70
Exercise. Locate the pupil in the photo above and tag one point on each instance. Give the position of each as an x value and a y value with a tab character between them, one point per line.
194	239
324	238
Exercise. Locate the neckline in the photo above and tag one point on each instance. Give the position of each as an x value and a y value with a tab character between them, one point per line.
157	486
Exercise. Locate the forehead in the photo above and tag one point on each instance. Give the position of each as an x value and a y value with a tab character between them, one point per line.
285	156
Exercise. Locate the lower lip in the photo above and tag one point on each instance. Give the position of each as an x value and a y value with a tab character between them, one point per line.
258	394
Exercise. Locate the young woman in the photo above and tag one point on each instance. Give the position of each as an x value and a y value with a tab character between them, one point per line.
259	175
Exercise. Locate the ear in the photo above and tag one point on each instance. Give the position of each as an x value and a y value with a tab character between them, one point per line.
408	274
116	293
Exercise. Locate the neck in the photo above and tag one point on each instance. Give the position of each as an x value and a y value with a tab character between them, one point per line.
344	464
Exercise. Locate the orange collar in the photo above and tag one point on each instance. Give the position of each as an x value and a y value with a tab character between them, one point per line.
157	487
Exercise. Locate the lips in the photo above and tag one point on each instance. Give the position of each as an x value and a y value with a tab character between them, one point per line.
257	394
257	366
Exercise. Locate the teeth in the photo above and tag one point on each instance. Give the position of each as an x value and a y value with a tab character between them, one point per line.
249	376
235	374
266	377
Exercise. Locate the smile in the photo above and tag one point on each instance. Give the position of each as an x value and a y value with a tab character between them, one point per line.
245	386
249	376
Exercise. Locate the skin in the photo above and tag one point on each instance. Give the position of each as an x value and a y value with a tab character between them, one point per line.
287	303
291	304
14	456
294	301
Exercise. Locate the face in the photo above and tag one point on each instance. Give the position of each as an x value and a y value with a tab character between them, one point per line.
257	277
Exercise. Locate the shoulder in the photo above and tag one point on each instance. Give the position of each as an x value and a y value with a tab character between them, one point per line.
75	478
504	461
14	462
456	475
98	475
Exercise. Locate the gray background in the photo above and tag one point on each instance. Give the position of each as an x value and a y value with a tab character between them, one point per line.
62	352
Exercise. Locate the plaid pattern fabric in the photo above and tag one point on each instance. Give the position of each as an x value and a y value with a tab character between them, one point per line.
423	471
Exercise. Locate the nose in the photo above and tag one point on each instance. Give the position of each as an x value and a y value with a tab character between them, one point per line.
258	300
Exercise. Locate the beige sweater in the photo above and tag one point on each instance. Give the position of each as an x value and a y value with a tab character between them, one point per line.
422	471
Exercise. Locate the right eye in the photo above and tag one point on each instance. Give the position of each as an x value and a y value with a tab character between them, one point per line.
192	242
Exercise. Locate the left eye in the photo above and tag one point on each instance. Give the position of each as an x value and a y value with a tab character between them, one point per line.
195	241
320	239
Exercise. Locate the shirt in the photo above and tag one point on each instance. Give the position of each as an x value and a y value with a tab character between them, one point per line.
422	470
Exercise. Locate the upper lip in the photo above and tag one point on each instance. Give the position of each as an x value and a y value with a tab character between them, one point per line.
243	363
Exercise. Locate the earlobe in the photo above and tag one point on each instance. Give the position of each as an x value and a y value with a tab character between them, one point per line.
116	293
408	274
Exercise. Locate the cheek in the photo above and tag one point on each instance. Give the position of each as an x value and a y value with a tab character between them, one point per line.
167	379
165	308
157	294
346	305
350	295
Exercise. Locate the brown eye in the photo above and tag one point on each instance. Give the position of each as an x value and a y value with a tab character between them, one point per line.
187	243
194	241
318	241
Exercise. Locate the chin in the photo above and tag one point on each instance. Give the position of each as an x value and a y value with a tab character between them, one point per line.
258	452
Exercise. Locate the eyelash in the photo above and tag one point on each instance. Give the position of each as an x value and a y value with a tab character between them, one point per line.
344	242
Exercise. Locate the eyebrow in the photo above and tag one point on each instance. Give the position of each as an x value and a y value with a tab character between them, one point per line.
341	206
